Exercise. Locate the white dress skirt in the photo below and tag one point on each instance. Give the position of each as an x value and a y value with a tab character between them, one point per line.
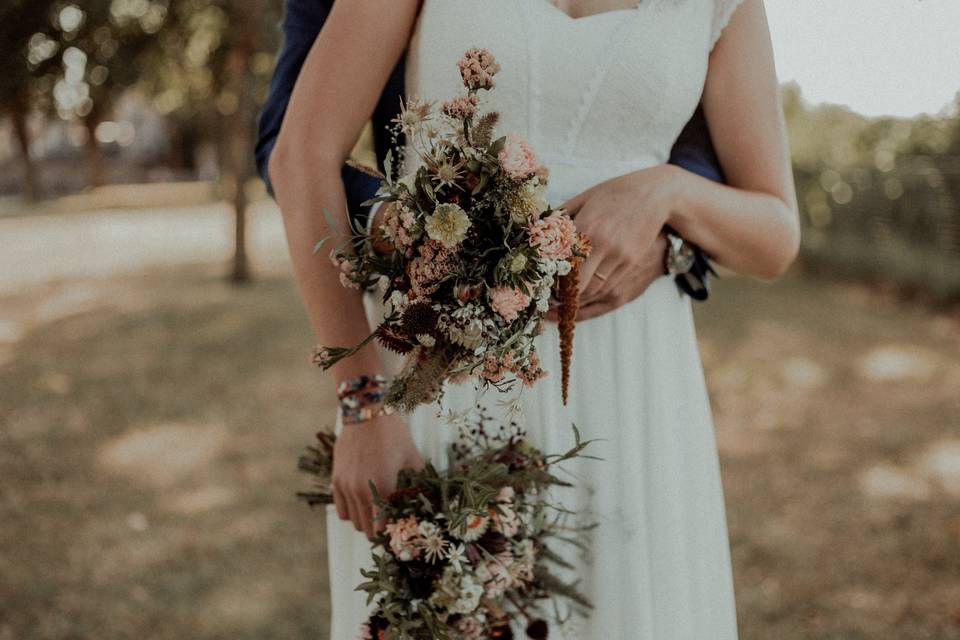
597	97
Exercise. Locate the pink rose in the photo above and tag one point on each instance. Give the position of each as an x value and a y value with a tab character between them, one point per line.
554	236
508	302
517	158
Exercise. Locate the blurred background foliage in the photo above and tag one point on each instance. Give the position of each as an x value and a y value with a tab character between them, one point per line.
154	90
151	413
142	89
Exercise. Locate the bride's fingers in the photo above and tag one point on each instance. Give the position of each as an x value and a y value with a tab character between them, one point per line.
596	309
574	204
340	502
356	514
600	279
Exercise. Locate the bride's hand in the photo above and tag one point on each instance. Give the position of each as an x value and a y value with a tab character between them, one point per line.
375	450
624	219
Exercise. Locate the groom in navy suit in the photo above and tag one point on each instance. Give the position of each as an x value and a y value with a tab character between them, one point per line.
302	23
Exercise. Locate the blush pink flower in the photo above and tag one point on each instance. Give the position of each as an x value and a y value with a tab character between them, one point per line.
554	236
496	368
470	627
429	268
477	68
508	302
517	158
404	538
531	372
461	107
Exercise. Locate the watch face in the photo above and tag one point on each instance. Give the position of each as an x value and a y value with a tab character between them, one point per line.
685	261
680	257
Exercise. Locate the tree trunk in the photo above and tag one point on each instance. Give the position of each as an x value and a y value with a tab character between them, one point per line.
95	157
240	130
31	187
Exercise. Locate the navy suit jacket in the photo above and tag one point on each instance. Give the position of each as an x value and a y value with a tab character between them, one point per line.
302	22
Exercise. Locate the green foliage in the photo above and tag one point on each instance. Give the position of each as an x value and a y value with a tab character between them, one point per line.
494	473
880	197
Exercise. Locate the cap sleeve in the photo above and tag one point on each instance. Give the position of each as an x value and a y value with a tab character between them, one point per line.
723	11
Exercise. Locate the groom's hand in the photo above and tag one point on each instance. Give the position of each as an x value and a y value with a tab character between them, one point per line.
381	244
624	219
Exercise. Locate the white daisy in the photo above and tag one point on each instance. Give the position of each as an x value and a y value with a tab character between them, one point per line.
456	556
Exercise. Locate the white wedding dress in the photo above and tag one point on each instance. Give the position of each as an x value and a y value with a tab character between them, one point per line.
598	97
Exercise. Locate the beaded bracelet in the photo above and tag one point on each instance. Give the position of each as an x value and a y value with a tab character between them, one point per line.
362	399
359	385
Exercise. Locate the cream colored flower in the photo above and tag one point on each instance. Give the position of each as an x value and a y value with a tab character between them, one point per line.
448	225
447	173
476	526
435	548
529	203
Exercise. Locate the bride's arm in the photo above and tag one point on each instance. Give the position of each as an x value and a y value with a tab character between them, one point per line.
752	225
335	95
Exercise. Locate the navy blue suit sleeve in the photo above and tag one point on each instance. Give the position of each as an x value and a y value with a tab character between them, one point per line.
694	150
302	22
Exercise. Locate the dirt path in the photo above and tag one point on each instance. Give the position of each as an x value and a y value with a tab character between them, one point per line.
98	244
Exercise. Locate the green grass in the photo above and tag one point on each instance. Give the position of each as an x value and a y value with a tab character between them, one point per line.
149	436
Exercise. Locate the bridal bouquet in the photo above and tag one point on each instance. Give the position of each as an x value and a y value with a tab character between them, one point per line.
465	551
474	252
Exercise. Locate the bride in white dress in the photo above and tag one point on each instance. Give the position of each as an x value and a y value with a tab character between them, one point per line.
601	89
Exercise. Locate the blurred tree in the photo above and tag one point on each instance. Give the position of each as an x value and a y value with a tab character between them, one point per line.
103	44
209	74
29	55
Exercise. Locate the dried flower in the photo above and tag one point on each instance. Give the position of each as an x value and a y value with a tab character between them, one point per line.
554	236
413	113
448	225
508	302
568	292
517	158
474	528
461	107
435	548
477	68
447	173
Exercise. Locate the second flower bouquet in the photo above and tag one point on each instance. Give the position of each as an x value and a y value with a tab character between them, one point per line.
469	552
474	251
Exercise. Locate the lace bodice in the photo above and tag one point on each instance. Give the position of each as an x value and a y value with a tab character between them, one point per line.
596	95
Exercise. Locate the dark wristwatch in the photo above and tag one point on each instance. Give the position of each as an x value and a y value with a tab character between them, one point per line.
689	266
680	257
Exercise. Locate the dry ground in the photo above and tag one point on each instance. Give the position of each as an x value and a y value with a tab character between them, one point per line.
150	423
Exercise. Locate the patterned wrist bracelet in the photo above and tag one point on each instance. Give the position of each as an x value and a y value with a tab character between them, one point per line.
362	399
360	385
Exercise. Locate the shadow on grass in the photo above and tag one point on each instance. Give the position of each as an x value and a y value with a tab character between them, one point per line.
149	453
148	443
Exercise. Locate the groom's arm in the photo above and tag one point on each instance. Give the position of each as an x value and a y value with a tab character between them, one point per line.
694	151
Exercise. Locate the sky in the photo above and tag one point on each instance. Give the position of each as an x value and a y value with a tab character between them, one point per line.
879	57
